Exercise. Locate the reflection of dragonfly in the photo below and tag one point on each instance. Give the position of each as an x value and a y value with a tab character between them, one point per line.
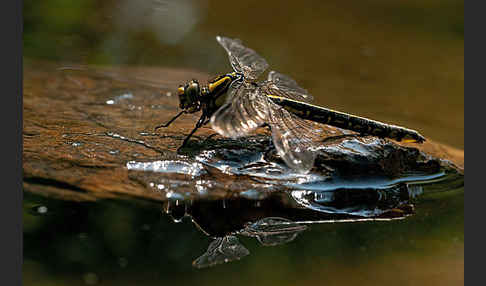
279	217
236	105
270	231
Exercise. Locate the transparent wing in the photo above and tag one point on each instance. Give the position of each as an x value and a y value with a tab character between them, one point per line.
282	85
272	231
243	59
245	110
221	250
292	143
296	139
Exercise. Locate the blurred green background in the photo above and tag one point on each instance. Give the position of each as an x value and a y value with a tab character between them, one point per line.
398	61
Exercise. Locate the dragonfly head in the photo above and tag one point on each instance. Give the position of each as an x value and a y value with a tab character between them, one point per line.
189	96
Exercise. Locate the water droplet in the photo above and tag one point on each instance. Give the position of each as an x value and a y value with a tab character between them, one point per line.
119	98
174	196
38	210
42	209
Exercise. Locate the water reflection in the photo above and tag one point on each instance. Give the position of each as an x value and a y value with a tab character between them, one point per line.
221	250
279	217
270	231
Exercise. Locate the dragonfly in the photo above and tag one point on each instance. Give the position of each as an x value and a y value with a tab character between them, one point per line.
236	104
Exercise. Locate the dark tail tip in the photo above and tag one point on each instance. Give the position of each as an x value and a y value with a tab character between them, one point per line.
420	138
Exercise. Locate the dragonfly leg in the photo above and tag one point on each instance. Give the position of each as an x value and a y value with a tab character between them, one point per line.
170	121
210	136
199	123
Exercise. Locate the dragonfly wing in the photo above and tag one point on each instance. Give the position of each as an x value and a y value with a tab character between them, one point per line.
291	144
245	110
221	250
282	85
296	139
243	60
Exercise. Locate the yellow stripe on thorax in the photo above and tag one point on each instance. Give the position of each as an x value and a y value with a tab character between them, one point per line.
214	85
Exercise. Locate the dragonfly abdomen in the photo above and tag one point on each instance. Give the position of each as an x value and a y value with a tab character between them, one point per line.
347	121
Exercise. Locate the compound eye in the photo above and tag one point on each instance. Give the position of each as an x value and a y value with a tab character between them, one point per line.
192	91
